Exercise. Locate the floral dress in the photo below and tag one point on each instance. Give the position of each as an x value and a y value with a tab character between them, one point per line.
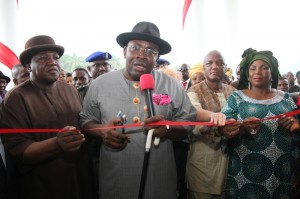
260	165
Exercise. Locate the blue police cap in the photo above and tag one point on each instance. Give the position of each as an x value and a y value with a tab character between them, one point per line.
96	56
162	61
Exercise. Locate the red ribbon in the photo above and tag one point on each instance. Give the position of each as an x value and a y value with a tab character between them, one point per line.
160	123
289	114
298	102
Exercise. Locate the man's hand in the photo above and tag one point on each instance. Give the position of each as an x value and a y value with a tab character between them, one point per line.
160	131
218	118
112	138
70	139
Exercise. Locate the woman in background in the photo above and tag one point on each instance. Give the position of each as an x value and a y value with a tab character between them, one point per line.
196	74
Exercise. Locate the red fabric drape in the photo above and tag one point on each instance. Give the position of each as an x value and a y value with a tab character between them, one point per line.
7	56
186	6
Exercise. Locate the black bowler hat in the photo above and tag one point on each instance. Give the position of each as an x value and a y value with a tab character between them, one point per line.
38	44
145	31
6	78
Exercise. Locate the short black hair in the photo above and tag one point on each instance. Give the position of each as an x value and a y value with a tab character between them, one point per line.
81	69
298	75
281	78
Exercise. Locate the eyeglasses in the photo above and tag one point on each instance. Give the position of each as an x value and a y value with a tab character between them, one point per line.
220	64
103	65
183	69
147	51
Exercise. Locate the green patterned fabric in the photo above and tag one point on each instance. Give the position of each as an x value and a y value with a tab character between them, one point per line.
261	165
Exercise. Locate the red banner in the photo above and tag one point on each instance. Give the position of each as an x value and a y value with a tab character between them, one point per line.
7	56
186	6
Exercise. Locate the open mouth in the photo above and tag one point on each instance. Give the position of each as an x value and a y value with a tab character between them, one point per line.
139	67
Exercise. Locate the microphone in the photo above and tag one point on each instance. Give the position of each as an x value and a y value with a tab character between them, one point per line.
147	85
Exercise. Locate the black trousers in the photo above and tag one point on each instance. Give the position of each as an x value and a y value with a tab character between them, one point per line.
180	152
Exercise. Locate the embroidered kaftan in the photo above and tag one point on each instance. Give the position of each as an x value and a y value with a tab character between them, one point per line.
120	170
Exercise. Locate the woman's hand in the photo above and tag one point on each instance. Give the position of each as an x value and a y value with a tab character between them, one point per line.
232	129
251	125
288	123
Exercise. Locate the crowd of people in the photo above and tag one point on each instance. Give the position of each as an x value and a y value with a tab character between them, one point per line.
250	148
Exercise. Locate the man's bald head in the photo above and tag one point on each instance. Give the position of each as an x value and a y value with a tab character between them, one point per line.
20	74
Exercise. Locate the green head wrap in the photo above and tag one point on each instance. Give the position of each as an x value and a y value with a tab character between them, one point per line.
249	56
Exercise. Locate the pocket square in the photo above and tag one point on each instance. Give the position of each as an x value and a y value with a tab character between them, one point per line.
161	99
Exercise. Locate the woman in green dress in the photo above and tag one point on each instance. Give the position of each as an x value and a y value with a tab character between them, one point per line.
261	152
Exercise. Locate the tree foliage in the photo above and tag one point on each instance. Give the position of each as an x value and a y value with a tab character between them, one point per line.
70	62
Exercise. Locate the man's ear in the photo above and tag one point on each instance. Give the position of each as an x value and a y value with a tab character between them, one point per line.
89	68
124	52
